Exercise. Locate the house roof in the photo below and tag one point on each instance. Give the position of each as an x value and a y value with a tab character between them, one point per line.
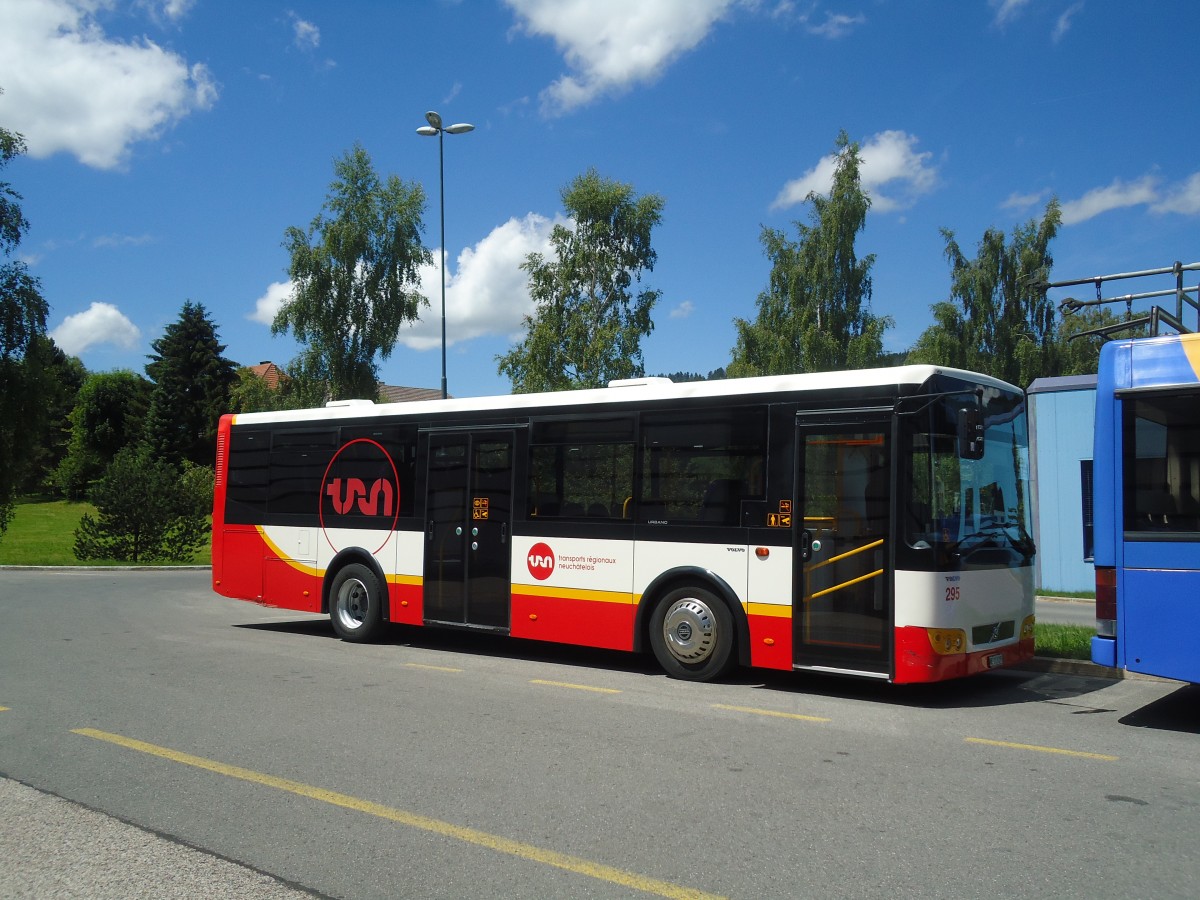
268	372
388	393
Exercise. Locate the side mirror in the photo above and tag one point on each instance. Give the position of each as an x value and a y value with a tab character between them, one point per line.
970	432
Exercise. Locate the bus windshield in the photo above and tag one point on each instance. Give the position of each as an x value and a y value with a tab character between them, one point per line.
968	494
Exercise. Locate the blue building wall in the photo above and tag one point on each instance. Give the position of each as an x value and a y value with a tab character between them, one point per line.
1062	424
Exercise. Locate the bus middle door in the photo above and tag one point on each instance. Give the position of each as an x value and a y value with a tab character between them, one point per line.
468	527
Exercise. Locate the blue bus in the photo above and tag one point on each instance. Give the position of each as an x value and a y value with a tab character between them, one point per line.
1146	506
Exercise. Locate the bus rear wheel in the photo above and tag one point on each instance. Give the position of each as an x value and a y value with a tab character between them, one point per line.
356	604
692	634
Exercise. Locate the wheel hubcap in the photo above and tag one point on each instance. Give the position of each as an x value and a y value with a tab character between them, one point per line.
690	630
352	603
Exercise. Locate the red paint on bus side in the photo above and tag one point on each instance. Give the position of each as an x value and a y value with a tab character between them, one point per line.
588	623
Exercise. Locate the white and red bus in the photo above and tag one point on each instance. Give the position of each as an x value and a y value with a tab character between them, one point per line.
871	523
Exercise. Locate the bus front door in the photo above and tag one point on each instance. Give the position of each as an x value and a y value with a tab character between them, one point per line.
842	613
468	526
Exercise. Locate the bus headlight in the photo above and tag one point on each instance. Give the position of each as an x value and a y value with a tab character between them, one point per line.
947	640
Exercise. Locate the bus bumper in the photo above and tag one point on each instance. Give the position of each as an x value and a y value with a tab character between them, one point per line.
1104	651
917	662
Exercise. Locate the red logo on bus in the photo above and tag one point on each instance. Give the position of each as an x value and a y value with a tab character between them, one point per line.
361	480
382	493
540	561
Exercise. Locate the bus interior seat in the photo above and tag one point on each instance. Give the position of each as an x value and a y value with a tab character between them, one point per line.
547	506
1155	508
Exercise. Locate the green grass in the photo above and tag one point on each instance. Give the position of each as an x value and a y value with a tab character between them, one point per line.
43	534
1063	641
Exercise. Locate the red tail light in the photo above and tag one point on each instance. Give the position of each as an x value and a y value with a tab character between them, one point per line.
1106	592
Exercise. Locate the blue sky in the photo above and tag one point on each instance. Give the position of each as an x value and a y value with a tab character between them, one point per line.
171	143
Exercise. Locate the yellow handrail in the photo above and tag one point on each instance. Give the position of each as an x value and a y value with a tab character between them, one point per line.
846	555
846	584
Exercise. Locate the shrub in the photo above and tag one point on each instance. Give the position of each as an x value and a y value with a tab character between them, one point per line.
147	510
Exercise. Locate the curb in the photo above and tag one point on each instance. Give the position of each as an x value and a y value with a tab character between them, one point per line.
1055	666
1050	665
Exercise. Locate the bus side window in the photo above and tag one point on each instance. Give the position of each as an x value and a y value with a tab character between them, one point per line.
702	470
249	475
580	469
1162	463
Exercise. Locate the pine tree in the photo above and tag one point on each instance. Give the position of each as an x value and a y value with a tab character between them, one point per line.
147	510
192	384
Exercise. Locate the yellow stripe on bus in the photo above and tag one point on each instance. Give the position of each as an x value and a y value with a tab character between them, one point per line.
283	557
474	836
539	590
414	580
773	610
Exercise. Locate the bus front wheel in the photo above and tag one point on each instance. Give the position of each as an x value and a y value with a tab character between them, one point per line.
356	604
692	634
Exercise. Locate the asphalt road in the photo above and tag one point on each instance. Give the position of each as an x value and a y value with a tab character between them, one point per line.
270	755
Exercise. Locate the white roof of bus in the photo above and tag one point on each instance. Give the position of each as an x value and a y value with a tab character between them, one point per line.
639	389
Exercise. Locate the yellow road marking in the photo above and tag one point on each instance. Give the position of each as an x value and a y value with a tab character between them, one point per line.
1035	747
770	712
3	709
432	668
576	687
494	842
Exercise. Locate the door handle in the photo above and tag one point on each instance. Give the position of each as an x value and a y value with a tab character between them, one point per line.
504	533
806	547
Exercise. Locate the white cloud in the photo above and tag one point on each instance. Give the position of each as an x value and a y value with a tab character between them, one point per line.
1117	195
836	25
683	310
100	323
1023	201
122	240
487	292
1181	198
1006	10
71	88
615	45
306	35
1063	24
166	11
886	158
266	306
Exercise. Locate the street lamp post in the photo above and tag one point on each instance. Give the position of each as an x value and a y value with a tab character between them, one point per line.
435	127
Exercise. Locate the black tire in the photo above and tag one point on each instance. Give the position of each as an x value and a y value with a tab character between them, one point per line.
356	604
692	634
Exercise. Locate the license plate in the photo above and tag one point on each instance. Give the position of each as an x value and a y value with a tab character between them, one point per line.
996	659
